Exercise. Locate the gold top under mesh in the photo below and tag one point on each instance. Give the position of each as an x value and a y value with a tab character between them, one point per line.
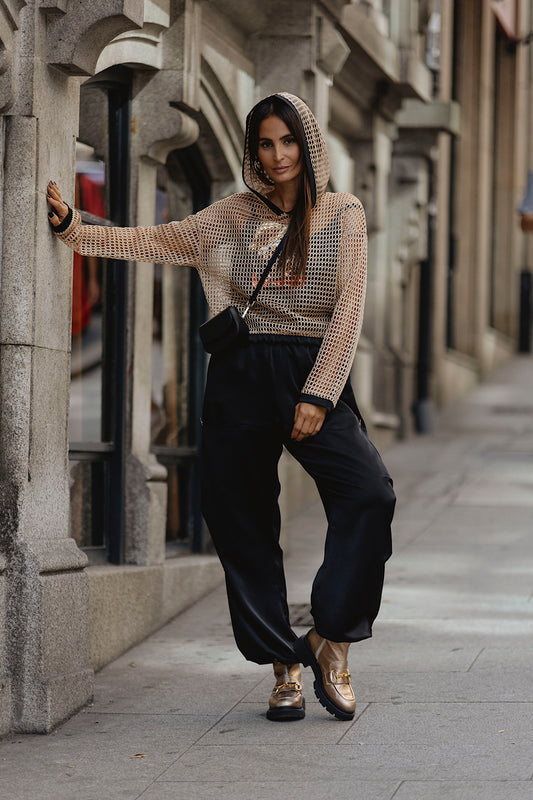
230	242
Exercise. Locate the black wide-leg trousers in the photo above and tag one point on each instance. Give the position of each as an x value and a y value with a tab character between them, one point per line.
248	416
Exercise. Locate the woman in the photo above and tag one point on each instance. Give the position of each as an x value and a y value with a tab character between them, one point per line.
288	386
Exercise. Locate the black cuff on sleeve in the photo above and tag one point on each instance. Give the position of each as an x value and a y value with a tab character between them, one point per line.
317	401
64	224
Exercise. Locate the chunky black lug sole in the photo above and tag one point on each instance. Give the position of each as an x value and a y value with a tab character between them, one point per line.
286	713
306	657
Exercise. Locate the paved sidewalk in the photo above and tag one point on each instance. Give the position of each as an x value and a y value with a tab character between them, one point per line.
445	688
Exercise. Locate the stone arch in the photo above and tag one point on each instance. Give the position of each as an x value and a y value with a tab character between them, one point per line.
218	114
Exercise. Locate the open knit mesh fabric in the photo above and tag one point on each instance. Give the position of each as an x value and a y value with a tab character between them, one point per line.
230	242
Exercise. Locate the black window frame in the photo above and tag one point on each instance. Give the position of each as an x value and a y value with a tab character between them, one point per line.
108	457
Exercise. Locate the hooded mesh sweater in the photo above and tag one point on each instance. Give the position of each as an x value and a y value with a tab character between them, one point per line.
230	242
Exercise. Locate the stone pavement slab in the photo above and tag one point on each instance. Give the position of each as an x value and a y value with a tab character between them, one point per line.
445	696
465	790
281	789
246	725
448	687
63	786
451	726
314	762
517	660
97	752
160	689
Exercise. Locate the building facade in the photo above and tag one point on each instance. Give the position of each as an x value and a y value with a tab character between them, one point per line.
137	109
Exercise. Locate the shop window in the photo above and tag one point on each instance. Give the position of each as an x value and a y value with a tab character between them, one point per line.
85	422
96	422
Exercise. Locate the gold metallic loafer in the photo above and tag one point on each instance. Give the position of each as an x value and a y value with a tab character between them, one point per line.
329	662
286	701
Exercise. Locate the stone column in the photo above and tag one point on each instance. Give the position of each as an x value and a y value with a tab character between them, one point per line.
40	565
8	48
473	176
373	165
442	177
484	186
510	174
47	589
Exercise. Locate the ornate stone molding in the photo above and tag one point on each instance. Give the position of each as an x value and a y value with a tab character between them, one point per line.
332	50
139	46
54	6
9	14
75	41
160	127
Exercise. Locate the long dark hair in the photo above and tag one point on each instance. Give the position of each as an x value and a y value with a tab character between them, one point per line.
293	259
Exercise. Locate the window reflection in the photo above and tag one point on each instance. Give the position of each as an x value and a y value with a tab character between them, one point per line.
87	484
86	364
171	366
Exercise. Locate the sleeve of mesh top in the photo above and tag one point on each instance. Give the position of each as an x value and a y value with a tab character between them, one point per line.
171	243
334	360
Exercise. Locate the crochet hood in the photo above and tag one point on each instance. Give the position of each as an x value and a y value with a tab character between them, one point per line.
315	153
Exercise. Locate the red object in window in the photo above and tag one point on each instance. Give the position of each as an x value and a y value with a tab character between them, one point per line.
89	197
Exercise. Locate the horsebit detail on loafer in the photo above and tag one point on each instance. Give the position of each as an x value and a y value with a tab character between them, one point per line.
287	687
334	677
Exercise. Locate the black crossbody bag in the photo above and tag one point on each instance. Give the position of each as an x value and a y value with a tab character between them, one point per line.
228	328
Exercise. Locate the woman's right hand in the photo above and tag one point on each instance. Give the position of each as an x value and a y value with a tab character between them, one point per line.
59	208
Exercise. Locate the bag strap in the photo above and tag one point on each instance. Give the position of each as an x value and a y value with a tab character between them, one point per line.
272	260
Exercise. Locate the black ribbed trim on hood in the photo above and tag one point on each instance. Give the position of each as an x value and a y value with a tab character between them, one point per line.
315	154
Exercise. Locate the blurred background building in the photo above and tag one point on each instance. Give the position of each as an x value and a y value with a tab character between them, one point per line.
137	108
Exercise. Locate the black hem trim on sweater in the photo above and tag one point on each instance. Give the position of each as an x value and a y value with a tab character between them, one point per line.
317	401
62	227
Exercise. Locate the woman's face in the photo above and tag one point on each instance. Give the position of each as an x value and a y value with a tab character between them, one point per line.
278	151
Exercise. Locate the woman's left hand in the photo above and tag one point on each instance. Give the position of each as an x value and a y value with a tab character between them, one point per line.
308	419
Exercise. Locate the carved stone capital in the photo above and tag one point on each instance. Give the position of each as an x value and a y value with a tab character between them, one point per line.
159	127
75	41
54	6
9	14
142	47
9	22
332	50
